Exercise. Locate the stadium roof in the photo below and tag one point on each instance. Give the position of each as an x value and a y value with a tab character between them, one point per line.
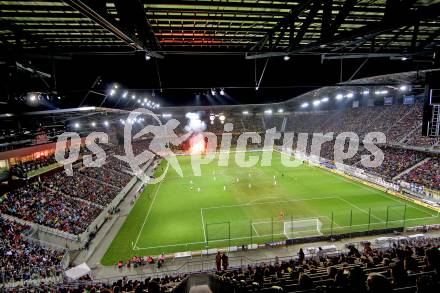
20	128
257	28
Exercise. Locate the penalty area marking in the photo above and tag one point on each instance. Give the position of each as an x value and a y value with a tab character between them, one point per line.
375	190
379	192
361	209
252	203
253	227
275	234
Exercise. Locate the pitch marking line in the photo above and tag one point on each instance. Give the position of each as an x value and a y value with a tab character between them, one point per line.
148	212
267	197
379	193
203	224
296	219
275	234
224	172
253	227
375	191
252	203
362	210
260	203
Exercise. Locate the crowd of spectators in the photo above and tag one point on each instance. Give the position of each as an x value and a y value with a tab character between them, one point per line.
83	187
147	285
396	160
271	121
400	123
107	176
22	260
414	130
21	169
410	266
414	267
70	203
38	204
249	123
427	174
115	164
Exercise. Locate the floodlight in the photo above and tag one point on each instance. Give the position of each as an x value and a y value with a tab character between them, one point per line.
382	92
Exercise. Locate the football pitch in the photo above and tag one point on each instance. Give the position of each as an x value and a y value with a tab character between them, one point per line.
228	206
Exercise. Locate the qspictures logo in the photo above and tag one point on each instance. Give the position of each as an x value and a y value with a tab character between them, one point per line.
346	146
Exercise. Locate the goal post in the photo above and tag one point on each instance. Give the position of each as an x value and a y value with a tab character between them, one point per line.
302	228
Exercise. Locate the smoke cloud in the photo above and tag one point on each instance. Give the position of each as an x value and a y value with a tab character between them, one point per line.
195	124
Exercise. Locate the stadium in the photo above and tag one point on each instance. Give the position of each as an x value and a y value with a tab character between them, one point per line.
220	146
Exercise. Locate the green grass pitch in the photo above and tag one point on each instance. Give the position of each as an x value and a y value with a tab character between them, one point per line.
238	206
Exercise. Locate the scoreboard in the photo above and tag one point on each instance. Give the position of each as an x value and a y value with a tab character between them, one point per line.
434	96
431	105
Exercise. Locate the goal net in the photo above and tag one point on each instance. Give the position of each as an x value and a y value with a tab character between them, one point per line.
302	228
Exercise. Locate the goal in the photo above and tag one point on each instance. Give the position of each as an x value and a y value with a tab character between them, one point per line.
302	228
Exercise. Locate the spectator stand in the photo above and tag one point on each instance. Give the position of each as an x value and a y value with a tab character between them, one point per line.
312	254
32	237
102	218
73	241
27	259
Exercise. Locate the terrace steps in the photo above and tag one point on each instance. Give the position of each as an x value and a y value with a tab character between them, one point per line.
411	168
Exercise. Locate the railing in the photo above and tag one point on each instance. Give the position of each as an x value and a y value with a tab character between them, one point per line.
420	190
205	263
379	183
51	274
94	226
102	218
55	278
201	264
39	227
